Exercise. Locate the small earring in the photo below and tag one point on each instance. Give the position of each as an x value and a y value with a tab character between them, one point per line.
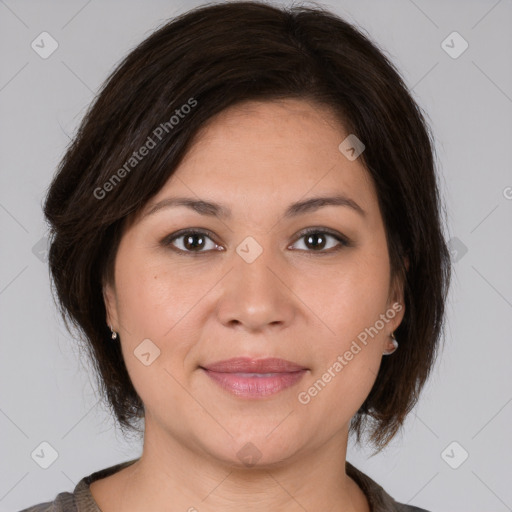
114	333
394	343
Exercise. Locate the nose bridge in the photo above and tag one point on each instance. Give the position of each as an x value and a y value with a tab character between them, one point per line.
254	294
252	264
254	269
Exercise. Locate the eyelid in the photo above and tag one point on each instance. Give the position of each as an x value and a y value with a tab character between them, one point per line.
319	229
343	240
167	240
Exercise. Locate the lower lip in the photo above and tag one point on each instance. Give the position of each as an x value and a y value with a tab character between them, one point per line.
247	386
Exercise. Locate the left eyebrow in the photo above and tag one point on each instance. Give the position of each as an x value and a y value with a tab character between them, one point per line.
218	210
314	203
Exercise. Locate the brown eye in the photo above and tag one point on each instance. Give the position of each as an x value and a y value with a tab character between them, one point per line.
191	241
316	240
195	242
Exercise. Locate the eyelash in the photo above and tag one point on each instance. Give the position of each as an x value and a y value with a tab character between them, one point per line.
343	241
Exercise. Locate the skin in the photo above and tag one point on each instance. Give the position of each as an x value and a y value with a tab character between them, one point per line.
292	302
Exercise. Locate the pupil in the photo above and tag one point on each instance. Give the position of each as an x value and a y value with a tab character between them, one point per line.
190	245
312	237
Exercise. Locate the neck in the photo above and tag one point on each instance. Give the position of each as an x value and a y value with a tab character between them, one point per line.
173	473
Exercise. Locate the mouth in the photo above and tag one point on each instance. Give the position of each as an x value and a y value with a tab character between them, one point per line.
254	378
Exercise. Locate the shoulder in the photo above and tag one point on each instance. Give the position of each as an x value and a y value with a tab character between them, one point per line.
64	502
378	499
81	498
410	508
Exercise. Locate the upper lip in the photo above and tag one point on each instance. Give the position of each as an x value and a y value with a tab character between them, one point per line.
249	365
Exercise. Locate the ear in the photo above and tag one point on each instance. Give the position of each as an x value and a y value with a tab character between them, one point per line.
396	298
110	298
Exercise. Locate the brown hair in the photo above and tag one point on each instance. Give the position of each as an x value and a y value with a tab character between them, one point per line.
208	59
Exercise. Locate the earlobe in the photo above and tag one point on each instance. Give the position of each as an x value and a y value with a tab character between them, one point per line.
392	346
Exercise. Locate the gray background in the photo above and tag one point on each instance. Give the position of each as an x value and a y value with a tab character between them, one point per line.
47	393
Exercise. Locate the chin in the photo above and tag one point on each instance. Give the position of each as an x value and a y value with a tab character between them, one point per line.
256	451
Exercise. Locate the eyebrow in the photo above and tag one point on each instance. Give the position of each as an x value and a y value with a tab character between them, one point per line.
216	210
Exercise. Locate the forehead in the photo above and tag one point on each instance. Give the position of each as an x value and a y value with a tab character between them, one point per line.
266	155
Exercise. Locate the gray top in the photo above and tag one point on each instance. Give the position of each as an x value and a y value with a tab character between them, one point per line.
81	499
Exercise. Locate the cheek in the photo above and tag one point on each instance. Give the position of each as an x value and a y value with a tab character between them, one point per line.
336	396
348	299
152	296
154	311
348	355
344	372
156	303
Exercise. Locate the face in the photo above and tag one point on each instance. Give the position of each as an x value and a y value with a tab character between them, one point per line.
253	283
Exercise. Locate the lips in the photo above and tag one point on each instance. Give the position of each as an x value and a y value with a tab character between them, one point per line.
249	365
254	378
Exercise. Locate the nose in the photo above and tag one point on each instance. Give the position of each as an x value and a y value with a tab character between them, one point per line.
257	296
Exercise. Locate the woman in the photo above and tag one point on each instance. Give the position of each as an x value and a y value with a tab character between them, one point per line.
247	221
